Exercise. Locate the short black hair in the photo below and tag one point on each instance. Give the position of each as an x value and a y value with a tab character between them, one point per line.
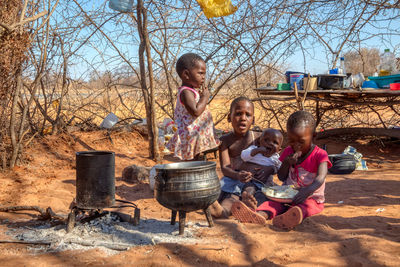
301	119
237	100
187	61
272	130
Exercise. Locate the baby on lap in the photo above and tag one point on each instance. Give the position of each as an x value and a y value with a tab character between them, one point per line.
257	157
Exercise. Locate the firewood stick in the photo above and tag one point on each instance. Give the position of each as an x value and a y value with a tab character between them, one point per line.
297	97
45	214
305	91
25	242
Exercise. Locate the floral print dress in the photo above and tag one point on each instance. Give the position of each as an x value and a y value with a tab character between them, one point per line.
194	134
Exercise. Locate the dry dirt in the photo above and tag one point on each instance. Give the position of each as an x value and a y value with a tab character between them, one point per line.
360	225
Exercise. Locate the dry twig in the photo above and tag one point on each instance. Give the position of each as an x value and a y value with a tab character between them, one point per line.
47	214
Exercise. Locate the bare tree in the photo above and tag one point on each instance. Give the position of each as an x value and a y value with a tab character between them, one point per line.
363	60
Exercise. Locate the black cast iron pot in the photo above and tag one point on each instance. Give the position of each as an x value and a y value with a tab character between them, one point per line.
342	163
187	186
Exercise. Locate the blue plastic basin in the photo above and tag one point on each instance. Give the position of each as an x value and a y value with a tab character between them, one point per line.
385	81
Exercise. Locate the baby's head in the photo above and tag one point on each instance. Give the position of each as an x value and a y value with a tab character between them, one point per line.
191	68
301	131
241	115
272	140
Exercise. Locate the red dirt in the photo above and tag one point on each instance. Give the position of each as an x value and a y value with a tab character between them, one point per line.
349	234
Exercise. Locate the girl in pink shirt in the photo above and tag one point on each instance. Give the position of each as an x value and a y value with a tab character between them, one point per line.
305	166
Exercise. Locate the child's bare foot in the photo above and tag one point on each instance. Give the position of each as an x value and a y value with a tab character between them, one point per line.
246	215
289	219
217	211
249	200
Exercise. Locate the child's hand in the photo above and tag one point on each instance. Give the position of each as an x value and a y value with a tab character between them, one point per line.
302	195
205	92
245	176
292	159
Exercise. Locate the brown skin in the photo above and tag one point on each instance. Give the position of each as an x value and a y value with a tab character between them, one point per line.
270	143
301	140
241	118
232	144
194	78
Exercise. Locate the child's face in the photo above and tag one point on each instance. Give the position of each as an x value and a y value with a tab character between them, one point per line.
241	117
195	76
272	141
300	138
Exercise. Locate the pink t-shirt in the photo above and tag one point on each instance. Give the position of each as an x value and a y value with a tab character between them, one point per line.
304	174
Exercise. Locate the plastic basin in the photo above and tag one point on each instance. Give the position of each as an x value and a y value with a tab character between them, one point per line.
385	81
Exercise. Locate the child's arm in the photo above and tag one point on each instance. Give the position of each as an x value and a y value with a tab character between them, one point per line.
258	150
305	192
247	154
188	100
226	167
290	160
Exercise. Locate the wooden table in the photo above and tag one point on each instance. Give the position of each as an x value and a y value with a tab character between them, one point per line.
335	109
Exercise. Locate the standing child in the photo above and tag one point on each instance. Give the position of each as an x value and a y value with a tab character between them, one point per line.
195	132
305	166
236	172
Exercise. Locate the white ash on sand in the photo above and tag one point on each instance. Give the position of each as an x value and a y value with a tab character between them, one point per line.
106	232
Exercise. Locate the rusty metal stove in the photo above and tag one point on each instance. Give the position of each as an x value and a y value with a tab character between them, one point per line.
95	188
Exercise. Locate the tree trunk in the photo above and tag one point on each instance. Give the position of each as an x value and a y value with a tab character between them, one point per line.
57	121
148	96
13	118
154	127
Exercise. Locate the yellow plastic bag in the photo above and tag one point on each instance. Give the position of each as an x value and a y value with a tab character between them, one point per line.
216	8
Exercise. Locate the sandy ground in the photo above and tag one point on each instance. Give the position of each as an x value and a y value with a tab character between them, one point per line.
360	225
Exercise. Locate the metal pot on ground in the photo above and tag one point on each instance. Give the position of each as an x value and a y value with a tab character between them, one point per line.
185	187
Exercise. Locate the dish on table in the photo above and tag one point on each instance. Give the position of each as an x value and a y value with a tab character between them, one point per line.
280	193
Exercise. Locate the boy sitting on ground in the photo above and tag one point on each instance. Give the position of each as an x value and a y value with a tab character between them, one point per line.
236	172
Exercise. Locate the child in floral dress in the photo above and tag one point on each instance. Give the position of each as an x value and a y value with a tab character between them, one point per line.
195	133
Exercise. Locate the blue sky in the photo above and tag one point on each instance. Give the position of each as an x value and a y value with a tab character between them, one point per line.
317	57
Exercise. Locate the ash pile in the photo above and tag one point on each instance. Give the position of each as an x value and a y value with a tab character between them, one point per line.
107	232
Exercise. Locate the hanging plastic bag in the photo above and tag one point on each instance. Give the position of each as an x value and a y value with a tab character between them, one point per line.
216	8
121	5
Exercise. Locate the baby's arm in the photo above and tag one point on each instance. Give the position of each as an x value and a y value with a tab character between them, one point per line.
305	192
188	100
226	166
246	154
